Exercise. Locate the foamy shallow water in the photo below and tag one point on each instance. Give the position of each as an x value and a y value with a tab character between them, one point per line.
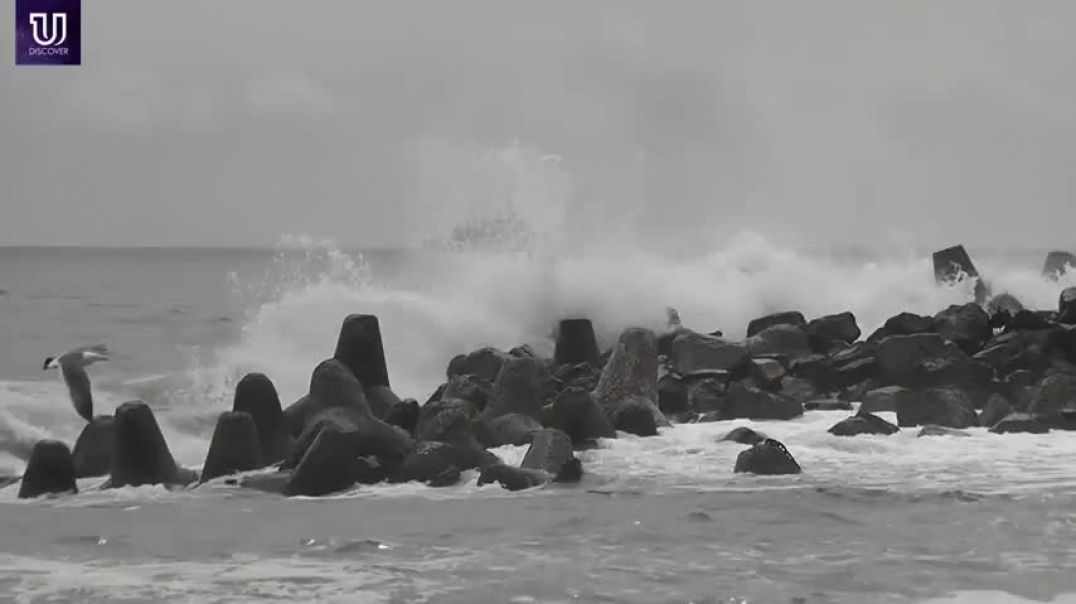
660	519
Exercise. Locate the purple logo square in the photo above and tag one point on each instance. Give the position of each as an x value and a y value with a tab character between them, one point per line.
48	32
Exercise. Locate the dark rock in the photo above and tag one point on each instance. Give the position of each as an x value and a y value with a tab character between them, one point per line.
485	363
140	455
471	388
431	426
451	476
577	414
1057	264
256	395
672	395
512	478
1054	399
629	382
403	415
706	395
766	373
826	332
744	436
429	462
332	386
927	360
787	340
1027	320
51	469
584	376
1020	422
336	400
997	408
941	406
1003	304
863	423
1066	306
327	467
828	373
932	430
790	317
380	399
509	429
234	447
449	421
882	399
550	450
275	482
903	324
523	350
952	264
359	348
635	415
751	403
797	389
767	457
693	352
830	404
968	326
93	449
575	343
518	389
368	470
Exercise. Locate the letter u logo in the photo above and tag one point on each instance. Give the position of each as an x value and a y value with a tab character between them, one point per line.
48	33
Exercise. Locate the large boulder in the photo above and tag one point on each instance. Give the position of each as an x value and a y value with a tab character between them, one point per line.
997	408
832	331
472	388
704	396
767	457
767	373
140	455
628	382
256	396
953	263
672	395
93	449
380	399
1057	264
404	415
51	469
863	423
485	363
549	458
1020	423
449	421
691	352
1066	306
508	429
234	448
882	399
788	317
839	370
336	400
359	348
518	389
575	343
783	339
431	462
577	414
636	415
742	401
967	325
1054	400
744	436
328	466
903	324
940	406
927	360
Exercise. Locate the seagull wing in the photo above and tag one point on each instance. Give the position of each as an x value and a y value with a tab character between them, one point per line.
91	354
78	385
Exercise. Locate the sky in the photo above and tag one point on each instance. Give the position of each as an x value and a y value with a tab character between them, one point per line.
383	124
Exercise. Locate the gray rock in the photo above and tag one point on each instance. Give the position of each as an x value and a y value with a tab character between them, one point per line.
932	430
787	340
768	457
51	469
790	317
940	406
997	408
1020	422
967	325
863	423
826	332
629	380
882	399
234	447
694	351
93	449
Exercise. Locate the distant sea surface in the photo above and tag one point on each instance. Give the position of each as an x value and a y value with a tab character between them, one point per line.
984	518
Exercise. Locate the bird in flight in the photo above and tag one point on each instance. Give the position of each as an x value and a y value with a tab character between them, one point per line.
72	365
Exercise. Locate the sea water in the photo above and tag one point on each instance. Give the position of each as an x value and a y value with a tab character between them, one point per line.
982	518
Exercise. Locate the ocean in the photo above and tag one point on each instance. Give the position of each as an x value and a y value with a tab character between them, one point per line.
984	518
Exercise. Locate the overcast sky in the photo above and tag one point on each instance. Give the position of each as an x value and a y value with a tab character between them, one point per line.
228	123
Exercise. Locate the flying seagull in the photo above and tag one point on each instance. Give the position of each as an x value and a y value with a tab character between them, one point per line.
72	365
